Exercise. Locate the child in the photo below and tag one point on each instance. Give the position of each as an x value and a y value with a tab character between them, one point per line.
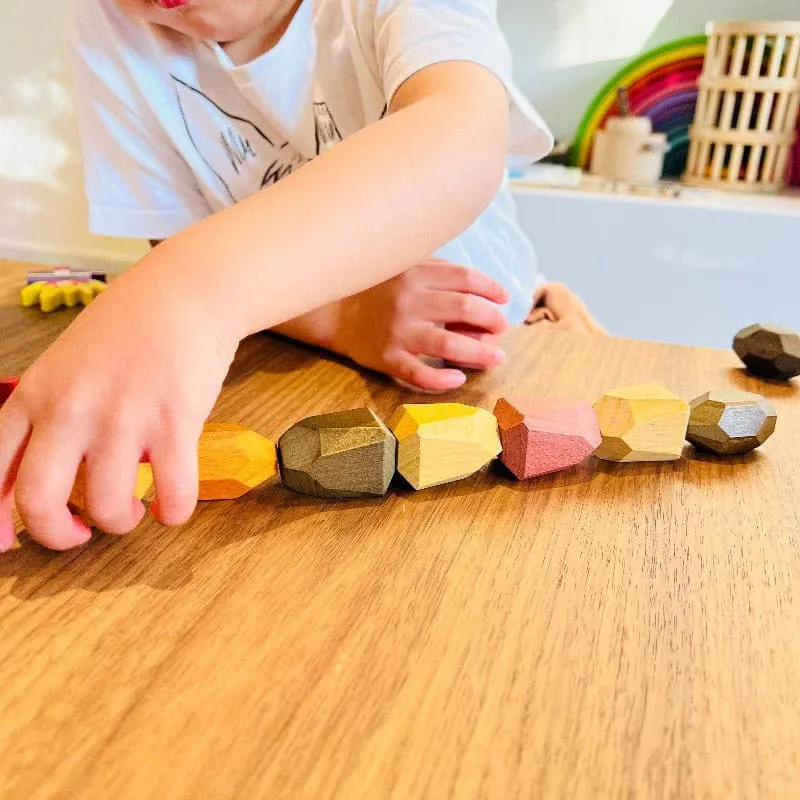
378	131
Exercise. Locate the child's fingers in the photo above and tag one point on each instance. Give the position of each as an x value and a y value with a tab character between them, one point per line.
539	314
455	348
15	428
410	370
467	309
475	333
110	487
451	278
8	531
177	477
44	483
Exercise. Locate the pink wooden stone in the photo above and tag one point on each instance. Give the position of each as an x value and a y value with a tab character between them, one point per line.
541	435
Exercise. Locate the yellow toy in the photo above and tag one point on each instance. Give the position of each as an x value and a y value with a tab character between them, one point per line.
233	460
641	423
443	442
51	295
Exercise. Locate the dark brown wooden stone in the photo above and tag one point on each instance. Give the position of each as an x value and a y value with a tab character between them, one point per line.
730	422
769	351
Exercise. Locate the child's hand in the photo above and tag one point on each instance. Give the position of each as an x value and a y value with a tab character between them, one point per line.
136	374
434	309
556	305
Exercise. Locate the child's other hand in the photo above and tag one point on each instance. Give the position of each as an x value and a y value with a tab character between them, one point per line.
434	309
136	374
556	305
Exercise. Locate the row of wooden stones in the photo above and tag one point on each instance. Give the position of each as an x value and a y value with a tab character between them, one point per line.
354	454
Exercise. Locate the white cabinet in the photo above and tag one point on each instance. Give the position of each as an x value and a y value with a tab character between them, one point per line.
689	270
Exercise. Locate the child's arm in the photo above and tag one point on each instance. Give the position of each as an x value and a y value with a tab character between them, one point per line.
386	326
382	200
139	371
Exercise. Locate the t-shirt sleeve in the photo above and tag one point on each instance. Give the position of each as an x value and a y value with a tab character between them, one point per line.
413	34
137	184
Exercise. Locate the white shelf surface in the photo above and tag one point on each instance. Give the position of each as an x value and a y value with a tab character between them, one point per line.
689	269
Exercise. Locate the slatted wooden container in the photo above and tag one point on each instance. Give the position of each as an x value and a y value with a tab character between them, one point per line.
744	126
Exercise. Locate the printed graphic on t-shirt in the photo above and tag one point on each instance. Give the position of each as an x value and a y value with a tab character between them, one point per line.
327	132
243	156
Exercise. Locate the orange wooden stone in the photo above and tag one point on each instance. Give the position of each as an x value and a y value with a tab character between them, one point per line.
233	460
542	435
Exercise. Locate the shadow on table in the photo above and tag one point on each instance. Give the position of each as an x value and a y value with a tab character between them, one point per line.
766	387
165	559
582	474
265	353
639	469
700	456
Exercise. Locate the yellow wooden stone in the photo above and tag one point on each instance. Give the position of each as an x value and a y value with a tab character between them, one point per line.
233	460
641	423
443	442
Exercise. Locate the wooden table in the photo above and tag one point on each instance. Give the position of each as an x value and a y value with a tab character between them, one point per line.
615	631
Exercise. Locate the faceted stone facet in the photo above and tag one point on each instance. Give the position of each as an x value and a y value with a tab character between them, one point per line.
233	460
338	455
541	436
443	442
769	351
730	422
641	423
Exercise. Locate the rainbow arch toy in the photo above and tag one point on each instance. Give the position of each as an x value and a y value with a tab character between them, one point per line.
662	85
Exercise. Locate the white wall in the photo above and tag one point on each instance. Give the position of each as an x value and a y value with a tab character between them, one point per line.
564	49
42	210
731	265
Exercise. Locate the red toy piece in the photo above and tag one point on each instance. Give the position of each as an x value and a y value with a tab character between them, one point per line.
541	436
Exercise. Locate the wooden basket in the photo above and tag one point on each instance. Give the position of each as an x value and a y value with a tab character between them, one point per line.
744	125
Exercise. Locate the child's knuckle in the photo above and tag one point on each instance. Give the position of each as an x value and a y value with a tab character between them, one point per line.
69	407
449	347
465	276
389	353
395	329
415	374
125	418
464	305
31	502
402	303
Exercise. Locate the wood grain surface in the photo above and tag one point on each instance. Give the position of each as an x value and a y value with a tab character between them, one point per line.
616	631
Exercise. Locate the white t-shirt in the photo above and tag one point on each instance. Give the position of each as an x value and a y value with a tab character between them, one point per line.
173	131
